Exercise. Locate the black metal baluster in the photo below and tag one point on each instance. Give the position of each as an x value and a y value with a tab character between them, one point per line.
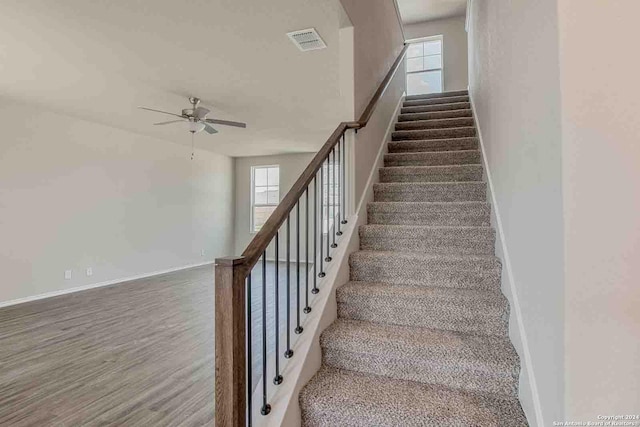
339	189
344	183
277	379
328	258
321	274
249	379
333	193
289	353
315	289
298	329
307	309
266	408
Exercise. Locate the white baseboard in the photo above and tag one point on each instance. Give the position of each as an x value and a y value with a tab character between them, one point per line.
521	336
98	285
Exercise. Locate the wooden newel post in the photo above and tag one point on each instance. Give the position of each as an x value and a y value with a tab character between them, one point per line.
230	318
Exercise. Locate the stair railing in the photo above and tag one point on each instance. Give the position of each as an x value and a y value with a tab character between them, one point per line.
322	189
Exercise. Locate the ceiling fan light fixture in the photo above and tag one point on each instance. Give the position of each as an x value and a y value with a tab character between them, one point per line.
195	127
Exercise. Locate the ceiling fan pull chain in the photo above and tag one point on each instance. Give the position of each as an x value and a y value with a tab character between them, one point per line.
192	144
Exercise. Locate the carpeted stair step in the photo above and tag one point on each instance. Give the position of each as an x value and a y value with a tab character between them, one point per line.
410	268
428	145
338	397
428	239
435	115
461	310
421	213
433	158
430	192
453	359
438	95
433	101
436	123
455	173
458	132
436	107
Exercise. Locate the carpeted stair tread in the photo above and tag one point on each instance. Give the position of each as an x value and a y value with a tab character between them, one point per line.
437	100
422	332
420	269
446	173
337	397
428	239
436	107
430	145
453	359
474	311
438	95
429	213
454	132
433	158
447	114
436	123
429	191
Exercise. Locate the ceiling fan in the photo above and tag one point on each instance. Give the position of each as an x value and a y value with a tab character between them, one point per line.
196	117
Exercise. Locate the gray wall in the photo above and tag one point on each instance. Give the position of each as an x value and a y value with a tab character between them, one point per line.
515	85
76	194
601	170
456	76
377	42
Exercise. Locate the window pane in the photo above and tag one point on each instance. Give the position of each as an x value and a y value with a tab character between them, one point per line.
274	176
260	216
260	196
423	83
415	50
431	62
260	176
414	64
273	195
433	48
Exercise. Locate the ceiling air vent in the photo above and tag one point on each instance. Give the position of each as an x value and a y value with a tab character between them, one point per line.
308	39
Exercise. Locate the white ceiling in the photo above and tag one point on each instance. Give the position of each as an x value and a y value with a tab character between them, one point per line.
99	59
413	11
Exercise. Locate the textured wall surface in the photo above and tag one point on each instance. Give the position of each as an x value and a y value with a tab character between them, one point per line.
601	170
76	194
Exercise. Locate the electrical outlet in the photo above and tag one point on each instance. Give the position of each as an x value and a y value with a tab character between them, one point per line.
67	274
202	252
89	271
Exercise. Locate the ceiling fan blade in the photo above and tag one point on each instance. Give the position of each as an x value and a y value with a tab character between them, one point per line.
208	128
159	111
200	112
227	123
169	122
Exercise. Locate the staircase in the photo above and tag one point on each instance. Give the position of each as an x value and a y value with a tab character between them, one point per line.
422	332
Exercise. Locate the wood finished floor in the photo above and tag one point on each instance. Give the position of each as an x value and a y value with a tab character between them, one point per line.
139	353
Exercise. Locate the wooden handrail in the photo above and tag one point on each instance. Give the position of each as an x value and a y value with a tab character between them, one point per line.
257	246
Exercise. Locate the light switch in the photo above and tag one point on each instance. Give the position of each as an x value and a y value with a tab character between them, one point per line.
67	274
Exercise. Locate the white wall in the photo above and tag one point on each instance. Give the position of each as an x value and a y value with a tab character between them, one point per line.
601	170
291	166
514	82
456	76
76	194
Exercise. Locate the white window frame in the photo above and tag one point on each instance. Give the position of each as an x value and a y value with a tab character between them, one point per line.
252	228
428	39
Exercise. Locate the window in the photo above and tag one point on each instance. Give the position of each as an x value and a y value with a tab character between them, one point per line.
265	194
424	66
